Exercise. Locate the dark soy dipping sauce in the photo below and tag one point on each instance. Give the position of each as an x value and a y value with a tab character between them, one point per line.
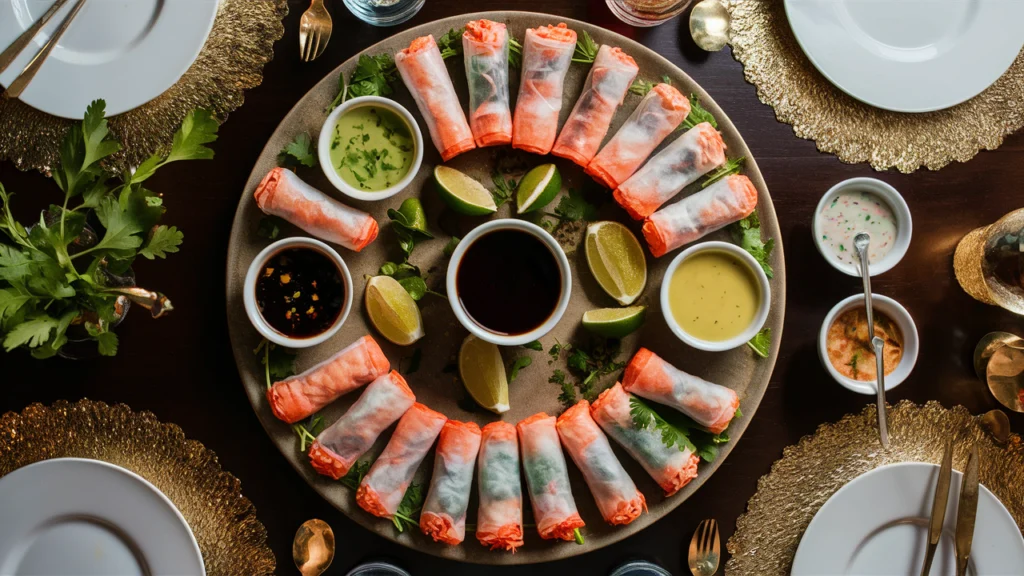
508	281
300	292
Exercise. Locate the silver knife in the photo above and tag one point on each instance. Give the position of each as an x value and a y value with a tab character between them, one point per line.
939	507
966	513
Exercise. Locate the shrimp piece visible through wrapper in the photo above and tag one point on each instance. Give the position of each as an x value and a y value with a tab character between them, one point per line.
729	200
547	479
499	522
444	512
547	53
485	51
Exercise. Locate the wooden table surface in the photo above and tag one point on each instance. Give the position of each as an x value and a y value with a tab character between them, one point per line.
181	368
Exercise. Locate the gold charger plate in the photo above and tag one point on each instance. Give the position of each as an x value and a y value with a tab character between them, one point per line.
773	62
788	497
530	392
231	538
240	43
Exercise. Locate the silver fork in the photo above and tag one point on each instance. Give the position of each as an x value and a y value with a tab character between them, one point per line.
704	549
314	31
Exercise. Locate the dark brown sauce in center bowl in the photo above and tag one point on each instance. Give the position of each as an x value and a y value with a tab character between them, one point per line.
509	282
300	292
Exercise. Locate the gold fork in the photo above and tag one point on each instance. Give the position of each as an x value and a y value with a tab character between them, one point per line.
704	549
314	31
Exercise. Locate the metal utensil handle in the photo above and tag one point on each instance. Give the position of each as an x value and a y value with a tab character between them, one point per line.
883	425
26	76
22	41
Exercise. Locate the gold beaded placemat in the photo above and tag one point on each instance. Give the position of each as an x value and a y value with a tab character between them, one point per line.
773	62
231	538
808	474
240	43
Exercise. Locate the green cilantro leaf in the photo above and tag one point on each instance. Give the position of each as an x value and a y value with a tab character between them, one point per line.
300	151
535	345
81	150
747	233
415	286
162	241
517	365
197	129
372	76
278	362
586	48
574	207
105	340
644	416
33	332
409	509
450	44
121	229
762	344
731	166
354	477
698	114
11	301
308	432
504	188
269	227
515	53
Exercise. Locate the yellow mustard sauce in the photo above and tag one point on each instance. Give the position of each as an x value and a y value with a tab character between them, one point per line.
713	296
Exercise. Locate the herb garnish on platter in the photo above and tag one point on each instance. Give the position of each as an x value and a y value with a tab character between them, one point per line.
372	76
450	43
731	166
586	48
59	272
299	152
588	362
762	342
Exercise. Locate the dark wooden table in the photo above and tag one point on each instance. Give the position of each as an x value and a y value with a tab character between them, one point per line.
181	367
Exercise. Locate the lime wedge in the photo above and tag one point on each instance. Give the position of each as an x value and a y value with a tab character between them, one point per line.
462	193
616	260
614	322
392	311
538	188
483	374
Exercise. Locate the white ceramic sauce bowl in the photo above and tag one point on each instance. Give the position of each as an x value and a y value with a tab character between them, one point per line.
904	224
899	315
249	297
765	297
327	132
497	337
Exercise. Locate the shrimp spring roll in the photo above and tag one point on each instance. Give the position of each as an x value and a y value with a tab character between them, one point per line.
499	520
383	487
302	395
672	468
485	50
427	79
547	53
730	199
616	495
710	405
338	447
547	478
606	86
681	163
282	193
662	110
444	512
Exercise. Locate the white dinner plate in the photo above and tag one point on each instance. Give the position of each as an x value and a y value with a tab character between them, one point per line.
878	525
909	55
126	52
86	517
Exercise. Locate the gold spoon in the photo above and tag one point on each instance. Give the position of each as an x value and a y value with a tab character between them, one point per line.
987	346
709	25
1005	377
997	425
313	547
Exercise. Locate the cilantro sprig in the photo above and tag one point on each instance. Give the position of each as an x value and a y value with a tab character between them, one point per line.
299	152
515	53
518	364
747	233
60	272
573	207
354	477
697	115
761	343
586	48
373	76
641	87
408	513
504	188
589	362
677	429
450	43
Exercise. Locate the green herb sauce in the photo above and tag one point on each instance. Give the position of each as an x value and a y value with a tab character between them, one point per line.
372	148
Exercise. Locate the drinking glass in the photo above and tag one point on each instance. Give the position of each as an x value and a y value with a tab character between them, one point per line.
646	12
384	12
989	263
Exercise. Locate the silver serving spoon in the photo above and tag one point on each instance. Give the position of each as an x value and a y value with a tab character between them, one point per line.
861	242
313	547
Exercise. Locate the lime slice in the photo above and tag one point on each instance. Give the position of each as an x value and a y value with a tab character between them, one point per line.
483	374
614	322
538	188
392	311
464	194
616	260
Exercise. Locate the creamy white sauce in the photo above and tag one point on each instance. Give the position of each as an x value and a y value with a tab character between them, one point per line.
850	213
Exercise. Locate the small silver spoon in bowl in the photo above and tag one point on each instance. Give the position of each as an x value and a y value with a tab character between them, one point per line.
313	547
861	242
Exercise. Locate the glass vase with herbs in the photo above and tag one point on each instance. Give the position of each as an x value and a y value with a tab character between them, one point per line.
66	277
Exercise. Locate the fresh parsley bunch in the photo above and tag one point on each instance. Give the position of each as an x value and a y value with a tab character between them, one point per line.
59	272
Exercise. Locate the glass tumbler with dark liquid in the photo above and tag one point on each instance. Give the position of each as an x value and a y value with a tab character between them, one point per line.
989	263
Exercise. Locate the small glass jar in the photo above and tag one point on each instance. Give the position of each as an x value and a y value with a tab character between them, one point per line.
384	12
989	263
646	13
